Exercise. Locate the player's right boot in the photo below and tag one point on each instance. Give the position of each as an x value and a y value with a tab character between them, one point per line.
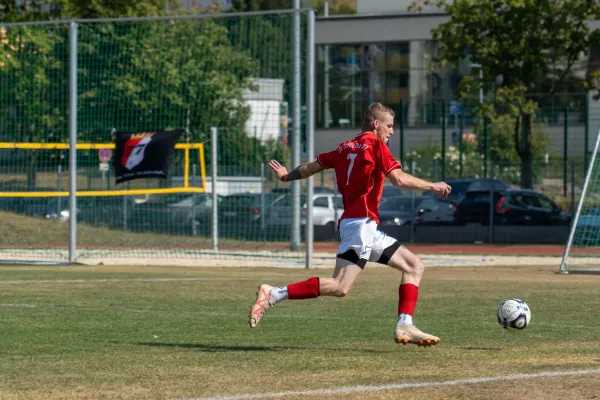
411	334
263	303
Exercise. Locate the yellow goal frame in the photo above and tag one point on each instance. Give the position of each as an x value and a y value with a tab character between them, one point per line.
97	146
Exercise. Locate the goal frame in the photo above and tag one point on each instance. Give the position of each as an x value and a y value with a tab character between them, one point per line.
186	147
564	268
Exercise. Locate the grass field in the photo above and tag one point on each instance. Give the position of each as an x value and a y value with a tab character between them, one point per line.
182	333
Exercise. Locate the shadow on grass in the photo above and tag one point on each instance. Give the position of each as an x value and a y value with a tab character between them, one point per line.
217	348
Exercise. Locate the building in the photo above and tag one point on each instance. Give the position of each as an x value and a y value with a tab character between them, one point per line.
384	53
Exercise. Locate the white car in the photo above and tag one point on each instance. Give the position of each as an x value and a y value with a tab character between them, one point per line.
327	210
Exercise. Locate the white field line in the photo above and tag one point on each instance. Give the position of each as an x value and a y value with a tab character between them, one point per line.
398	386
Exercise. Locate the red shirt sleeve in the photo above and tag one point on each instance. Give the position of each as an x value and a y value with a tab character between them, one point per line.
327	160
386	159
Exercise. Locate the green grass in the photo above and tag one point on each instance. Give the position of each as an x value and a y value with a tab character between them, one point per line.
118	334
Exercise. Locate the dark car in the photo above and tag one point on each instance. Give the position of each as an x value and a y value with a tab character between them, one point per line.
114	212
179	213
242	215
155	214
436	211
398	210
390	190
460	186
510	207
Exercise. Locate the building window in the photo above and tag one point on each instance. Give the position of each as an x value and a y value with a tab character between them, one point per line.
398	74
352	76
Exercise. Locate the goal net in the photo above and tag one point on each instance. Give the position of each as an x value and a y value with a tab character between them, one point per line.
584	238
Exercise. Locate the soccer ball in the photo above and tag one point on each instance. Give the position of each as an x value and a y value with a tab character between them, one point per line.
514	315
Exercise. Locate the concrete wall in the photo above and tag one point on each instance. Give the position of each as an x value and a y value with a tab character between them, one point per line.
381	28
386	6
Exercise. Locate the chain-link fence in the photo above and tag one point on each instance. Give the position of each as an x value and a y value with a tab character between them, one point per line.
244	73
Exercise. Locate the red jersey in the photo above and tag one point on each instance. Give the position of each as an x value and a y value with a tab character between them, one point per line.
361	165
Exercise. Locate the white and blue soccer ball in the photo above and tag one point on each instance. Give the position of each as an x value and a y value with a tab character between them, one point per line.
514	315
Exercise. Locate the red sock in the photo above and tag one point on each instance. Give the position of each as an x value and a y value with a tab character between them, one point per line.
407	298
308	289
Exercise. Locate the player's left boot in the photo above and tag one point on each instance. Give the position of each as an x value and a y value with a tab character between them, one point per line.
411	334
262	304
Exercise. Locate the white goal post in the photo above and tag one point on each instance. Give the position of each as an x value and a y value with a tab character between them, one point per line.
580	233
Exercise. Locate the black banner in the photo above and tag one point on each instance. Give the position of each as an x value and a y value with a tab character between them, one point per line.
143	154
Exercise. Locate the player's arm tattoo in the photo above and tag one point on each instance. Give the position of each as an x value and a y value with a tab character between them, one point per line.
294	175
303	171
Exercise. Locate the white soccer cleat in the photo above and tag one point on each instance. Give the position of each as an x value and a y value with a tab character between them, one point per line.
411	334
263	303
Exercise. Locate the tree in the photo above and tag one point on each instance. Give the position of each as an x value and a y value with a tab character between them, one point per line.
111	8
521	41
336	7
131	76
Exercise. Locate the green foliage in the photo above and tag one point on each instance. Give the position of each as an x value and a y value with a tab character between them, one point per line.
521	42
144	75
34	94
501	140
112	8
152	75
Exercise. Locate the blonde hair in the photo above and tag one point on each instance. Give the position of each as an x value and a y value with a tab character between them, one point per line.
376	111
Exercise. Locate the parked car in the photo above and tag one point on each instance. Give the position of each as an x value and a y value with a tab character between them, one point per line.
243	215
399	210
436	211
390	190
460	186
179	213
114	212
327	210
510	207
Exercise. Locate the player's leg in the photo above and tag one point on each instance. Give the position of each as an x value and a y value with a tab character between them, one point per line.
389	252
353	253
339	285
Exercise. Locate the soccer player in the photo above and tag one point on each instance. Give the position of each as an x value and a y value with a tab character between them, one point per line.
361	166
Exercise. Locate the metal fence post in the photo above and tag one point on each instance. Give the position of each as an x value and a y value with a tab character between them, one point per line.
402	120
213	176
572	208
126	209
72	141
586	137
59	202
413	169
194	225
460	144
491	226
296	120
262	200
310	132
486	147
443	140
565	150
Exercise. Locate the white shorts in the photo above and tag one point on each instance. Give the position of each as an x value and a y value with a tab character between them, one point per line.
362	236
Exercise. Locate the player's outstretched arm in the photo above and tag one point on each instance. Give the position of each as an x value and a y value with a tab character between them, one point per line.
399	178
301	172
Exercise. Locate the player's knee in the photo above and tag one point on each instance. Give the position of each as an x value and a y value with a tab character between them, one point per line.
416	266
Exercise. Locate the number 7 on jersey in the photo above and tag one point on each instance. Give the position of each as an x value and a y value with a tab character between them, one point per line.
350	157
